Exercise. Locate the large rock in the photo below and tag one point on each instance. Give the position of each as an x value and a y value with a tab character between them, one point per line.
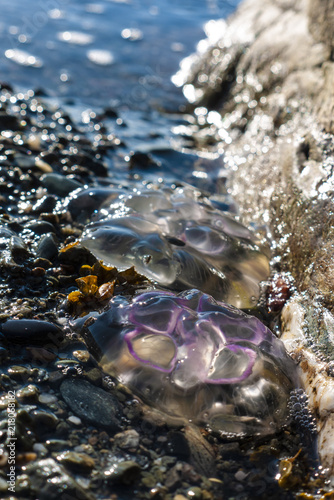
321	20
268	79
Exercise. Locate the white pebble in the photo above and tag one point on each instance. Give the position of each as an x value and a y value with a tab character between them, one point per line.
74	420
240	475
47	398
39	448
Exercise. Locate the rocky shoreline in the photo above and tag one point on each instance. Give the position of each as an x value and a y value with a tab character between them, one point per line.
78	432
268	76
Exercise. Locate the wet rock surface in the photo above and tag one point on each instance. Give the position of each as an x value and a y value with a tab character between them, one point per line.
264	93
92	404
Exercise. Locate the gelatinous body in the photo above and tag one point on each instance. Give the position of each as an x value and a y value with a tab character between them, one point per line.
180	242
198	359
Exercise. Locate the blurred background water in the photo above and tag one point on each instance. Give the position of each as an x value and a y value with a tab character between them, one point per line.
108	52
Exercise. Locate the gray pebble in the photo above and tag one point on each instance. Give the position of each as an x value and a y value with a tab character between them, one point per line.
123	472
91	403
47	247
127	439
40	227
43	419
31	331
56	444
59	185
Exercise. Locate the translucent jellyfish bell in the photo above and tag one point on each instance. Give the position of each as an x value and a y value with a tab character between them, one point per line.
179	242
197	359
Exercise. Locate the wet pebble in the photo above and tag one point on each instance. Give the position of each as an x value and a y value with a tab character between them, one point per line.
127	440
26	331
44	420
40	227
47	247
78	462
18	372
8	122
195	493
40	449
29	393
50	481
81	355
74	420
59	185
56	444
43	165
91	403
123	472
25	162
47	399
44	205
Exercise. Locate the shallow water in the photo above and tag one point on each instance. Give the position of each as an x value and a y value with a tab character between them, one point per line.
106	52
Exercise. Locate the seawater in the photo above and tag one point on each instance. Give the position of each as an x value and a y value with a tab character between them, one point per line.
107	52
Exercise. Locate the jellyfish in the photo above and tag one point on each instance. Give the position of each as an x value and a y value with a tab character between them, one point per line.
179	241
197	359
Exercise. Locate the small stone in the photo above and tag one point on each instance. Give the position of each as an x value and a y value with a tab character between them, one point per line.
44	205
40	227
74	420
91	403
38	272
59	185
50	481
26	331
25	162
40	449
47	399
43	165
44	419
127	440
56	444
79	462
240	475
18	372
194	493
30	392
82	356
123	472
173	477
47	247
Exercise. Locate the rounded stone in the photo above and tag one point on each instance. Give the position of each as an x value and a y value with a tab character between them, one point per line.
123	472
92	404
26	331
